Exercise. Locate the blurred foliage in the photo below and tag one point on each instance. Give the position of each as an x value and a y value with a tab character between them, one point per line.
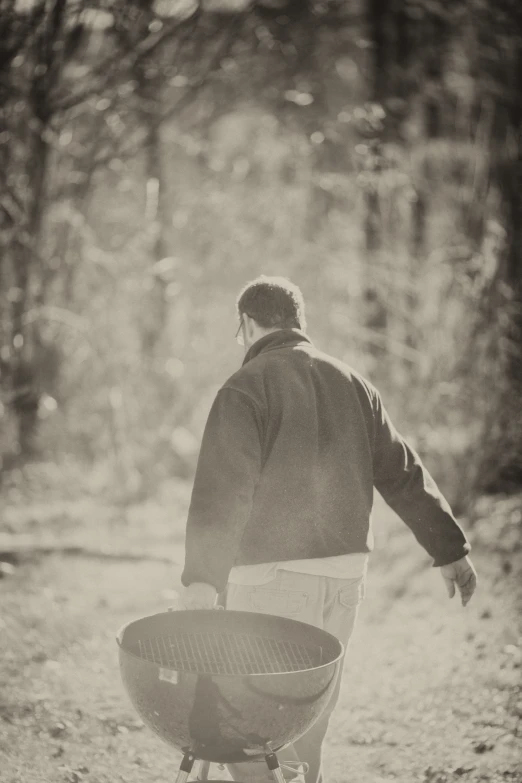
156	155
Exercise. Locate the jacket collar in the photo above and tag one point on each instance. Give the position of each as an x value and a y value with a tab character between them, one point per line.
283	338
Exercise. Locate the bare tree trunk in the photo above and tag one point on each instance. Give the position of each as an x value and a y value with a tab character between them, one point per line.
375	314
130	31
510	186
302	34
47	29
155	313
437	34
378	20
25	340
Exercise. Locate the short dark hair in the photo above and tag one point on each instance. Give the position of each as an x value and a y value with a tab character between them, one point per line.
272	302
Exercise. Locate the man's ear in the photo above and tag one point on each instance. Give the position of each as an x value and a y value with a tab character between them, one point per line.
249	326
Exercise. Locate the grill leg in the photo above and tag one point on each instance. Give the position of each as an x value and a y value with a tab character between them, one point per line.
185	768
203	770
273	765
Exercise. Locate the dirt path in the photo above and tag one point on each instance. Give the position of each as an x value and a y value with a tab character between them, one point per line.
431	692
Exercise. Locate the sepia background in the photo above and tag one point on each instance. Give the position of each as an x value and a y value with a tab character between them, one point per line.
154	157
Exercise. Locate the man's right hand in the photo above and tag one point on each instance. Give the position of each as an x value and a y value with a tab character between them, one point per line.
462	574
198	595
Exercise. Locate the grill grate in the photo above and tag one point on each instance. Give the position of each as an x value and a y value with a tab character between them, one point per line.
222	653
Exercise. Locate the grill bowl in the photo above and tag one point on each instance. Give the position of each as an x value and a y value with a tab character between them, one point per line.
220	683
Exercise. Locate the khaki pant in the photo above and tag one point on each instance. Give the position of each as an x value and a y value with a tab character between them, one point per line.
328	603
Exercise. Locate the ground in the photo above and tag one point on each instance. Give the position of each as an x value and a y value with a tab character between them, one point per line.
431	693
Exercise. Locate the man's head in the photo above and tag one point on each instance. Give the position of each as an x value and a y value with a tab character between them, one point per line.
268	304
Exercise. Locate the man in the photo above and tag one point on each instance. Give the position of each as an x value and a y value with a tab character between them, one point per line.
294	445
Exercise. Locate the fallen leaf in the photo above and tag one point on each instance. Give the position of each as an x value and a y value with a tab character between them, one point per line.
483	747
57	729
6	569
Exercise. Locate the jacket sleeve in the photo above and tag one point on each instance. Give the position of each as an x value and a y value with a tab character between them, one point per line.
411	492
228	469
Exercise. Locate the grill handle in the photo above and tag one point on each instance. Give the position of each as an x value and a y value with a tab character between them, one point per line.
175	607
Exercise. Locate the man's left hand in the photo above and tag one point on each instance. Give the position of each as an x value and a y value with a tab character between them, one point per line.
198	595
461	574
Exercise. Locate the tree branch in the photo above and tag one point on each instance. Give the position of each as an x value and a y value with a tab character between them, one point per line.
215	59
105	70
186	99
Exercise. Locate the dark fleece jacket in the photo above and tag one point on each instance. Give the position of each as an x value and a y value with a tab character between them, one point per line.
293	446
